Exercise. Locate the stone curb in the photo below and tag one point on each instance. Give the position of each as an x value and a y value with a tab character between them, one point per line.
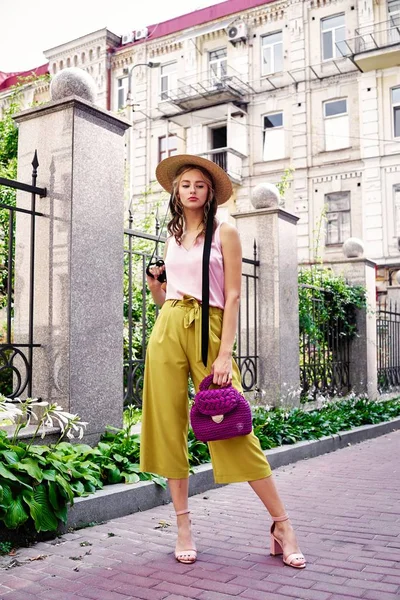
120	499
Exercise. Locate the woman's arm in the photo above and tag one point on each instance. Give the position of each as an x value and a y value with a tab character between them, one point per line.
232	254
158	290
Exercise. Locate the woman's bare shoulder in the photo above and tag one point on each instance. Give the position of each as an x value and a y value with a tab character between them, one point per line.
228	232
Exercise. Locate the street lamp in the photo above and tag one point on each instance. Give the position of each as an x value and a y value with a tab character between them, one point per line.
151	65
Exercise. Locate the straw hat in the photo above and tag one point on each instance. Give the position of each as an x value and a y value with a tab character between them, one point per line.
168	168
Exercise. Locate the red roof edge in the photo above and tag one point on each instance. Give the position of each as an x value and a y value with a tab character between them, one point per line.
198	17
9	79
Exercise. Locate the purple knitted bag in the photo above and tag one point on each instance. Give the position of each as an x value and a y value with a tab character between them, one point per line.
219	414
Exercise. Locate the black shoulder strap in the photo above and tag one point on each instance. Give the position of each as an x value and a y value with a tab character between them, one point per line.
205	295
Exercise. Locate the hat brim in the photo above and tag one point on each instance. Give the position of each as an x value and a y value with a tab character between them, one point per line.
167	169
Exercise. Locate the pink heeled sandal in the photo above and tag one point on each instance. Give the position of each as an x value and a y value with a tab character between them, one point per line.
277	549
187	557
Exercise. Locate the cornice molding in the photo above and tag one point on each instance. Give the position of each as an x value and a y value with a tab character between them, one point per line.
328	178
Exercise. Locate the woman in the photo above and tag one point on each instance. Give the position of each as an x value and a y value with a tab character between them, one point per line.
197	187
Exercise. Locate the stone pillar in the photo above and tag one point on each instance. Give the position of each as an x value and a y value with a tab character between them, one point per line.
278	323
363	359
78	306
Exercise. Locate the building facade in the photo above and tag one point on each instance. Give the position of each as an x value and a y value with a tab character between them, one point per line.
260	87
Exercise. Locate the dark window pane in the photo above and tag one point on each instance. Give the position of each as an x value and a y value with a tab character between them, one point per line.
273	121
396	95
337	107
327	44
396	121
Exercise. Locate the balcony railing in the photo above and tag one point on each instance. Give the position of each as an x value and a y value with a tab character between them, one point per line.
228	159
374	46
207	89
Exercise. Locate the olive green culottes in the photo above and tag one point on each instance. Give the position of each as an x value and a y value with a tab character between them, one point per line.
174	351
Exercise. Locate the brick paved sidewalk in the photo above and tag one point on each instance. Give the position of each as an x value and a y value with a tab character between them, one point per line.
345	506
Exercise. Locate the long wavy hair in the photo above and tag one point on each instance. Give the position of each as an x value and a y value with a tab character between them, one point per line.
176	225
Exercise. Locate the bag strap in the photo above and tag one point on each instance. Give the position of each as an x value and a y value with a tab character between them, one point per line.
205	294
161	232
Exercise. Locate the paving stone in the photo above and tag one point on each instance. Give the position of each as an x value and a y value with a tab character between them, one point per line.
347	524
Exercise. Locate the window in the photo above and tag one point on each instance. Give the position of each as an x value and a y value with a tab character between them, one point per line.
75	61
333	32
122	92
167	146
273	137
167	79
396	111
218	64
83	58
336	121
396	200
271	53
394	11
68	62
338	217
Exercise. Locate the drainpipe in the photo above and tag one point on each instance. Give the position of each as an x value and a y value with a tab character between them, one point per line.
110	52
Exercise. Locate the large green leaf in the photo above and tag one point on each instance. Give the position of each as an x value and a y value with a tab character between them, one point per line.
54	496
65	488
40	509
10	456
130	477
6	474
5	496
30	466
15	514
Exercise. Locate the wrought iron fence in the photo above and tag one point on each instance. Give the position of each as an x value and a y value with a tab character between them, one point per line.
16	359
324	350
388	345
140	313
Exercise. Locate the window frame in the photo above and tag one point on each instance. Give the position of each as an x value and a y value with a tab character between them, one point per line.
272	46
333	29
396	218
395	110
167	77
124	89
346	113
219	61
340	213
168	151
275	127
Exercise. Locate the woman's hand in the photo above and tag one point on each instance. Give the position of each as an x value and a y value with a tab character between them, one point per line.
153	282
222	369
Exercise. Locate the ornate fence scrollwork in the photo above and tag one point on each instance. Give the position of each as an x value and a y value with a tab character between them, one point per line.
16	359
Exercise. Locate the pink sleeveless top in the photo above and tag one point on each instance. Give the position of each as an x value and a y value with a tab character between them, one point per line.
184	270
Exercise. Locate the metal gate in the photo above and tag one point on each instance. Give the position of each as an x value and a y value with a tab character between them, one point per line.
16	359
388	345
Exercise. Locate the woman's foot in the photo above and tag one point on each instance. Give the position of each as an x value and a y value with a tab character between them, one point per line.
185	549
283	541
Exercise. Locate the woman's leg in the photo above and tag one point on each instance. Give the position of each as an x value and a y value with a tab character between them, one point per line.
267	492
185	546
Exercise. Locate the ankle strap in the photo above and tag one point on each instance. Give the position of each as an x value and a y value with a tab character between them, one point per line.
285	517
182	512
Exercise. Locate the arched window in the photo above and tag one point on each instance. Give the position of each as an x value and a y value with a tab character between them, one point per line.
90	55
83	58
68	62
75	61
98	51
61	64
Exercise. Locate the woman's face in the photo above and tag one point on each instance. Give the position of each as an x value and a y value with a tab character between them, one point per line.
193	189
